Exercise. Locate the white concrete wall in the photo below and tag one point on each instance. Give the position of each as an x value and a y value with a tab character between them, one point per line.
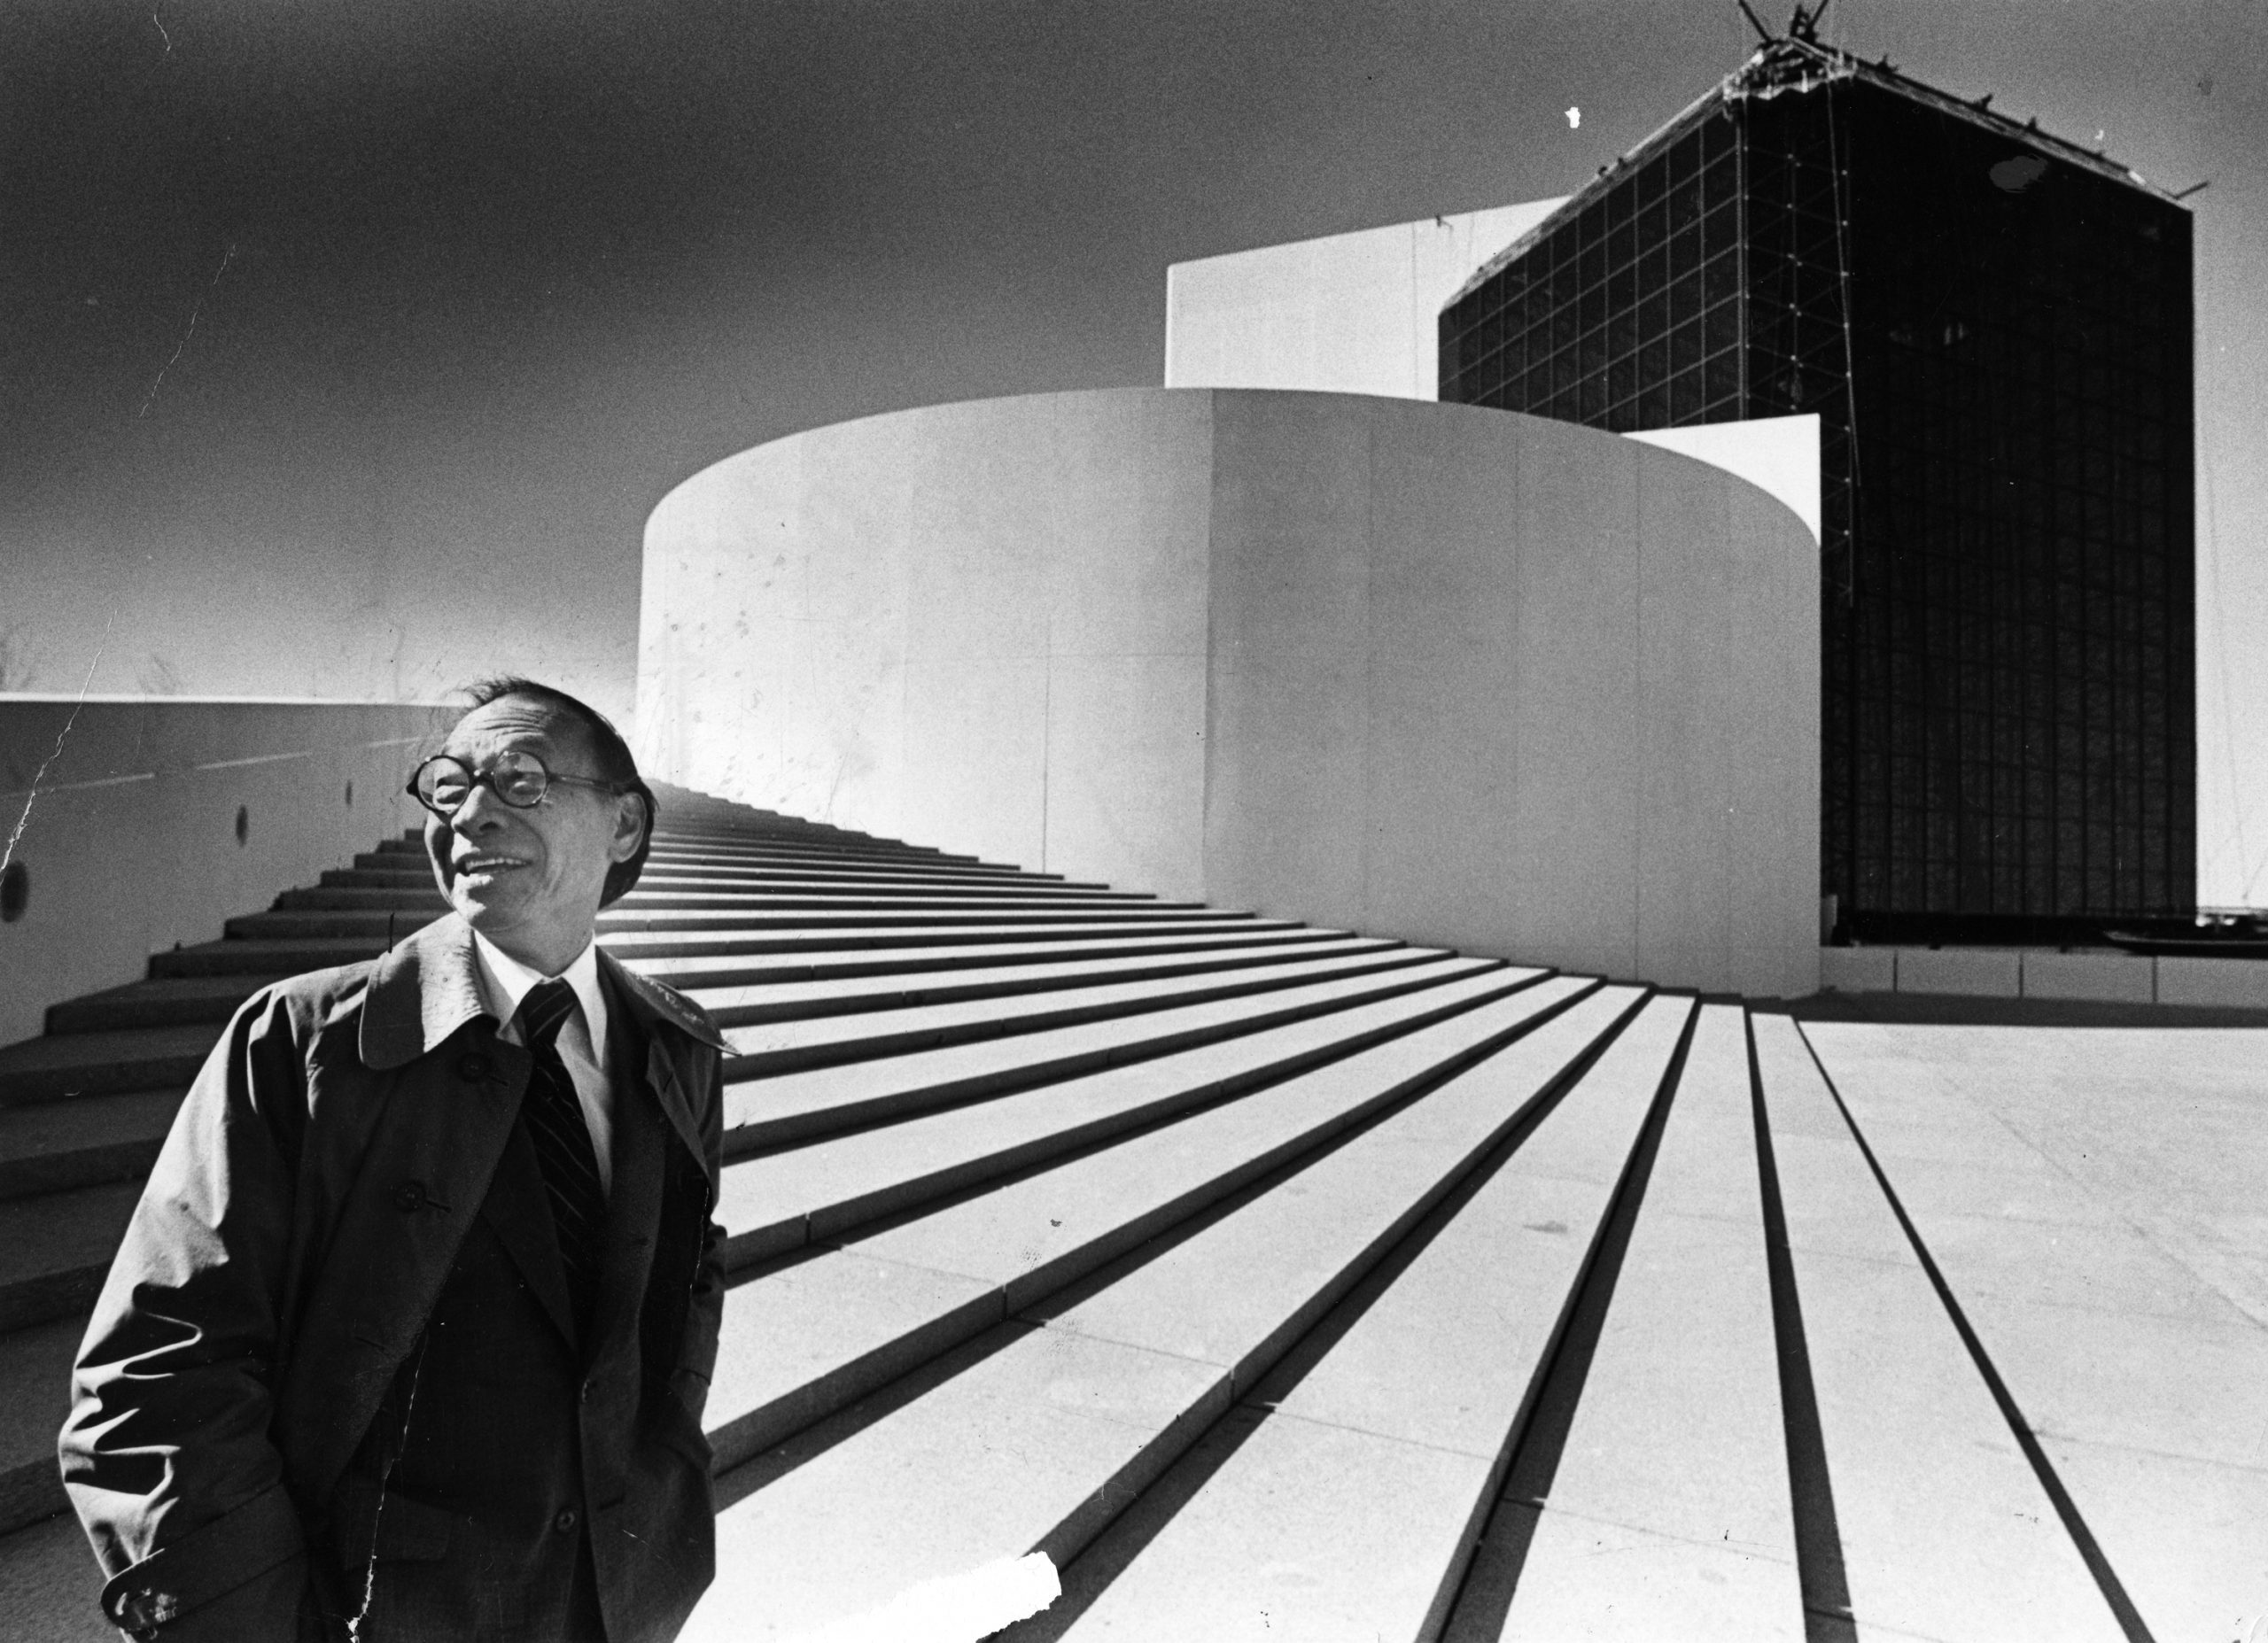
1358	313
1345	313
1422	669
980	627
131	844
1513	686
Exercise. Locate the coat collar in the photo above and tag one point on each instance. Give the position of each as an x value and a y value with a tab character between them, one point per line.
428	987
421	992
652	1005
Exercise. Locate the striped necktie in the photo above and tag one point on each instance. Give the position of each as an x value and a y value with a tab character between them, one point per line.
563	1143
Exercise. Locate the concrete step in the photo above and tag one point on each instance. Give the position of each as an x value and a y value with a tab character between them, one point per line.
765	866
722	894
722	911
1669	1476
35	1396
377	872
174	1000
976	1085
723	854
748	993
47	1146
796	1106
818	898
372	927
777	1201
774	1046
415	898
94	1063
786	845
941	915
239	957
693	974
1944	1529
754	1004
1036	1433
839	886
92	1049
637	947
809	840
753	847
55	1248
809	1338
295	956
768	863
382	872
48	1584
1344	1495
717	819
300	926
782	846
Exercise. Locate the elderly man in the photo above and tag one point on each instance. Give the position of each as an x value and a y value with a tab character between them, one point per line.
410	1334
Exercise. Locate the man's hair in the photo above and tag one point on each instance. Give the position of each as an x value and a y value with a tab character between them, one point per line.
615	764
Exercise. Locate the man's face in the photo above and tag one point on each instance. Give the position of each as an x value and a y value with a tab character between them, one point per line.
530	880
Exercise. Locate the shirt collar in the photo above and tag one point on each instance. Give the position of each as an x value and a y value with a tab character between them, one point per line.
506	980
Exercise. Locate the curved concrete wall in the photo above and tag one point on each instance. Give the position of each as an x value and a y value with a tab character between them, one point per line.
1429	671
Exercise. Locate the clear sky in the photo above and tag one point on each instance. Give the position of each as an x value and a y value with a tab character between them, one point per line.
425	285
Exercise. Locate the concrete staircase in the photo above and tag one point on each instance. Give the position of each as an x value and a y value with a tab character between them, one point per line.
1276	1282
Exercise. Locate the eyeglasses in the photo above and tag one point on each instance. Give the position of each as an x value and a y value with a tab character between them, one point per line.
442	784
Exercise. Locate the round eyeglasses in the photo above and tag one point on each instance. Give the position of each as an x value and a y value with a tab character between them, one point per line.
442	784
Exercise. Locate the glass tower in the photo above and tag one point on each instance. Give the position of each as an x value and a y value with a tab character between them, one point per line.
1993	327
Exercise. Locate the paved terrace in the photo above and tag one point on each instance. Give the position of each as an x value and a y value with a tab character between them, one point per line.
1293	1284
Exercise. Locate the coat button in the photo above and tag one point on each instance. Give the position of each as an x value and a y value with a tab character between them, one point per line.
409	1197
565	1523
472	1068
146	1607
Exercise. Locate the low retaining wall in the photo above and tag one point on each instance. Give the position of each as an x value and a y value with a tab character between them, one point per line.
2016	972
163	817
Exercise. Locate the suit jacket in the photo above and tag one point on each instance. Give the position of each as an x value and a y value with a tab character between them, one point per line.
304	1216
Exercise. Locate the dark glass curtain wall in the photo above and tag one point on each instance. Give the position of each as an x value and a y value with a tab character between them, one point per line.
1996	338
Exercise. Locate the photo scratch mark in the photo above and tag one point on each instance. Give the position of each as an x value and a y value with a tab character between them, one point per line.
23	821
226	257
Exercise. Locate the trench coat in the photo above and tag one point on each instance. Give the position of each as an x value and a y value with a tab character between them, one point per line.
274	1277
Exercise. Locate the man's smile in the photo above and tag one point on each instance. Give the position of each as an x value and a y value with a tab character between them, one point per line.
489	862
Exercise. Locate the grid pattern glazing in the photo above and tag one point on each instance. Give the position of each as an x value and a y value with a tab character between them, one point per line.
2013	703
1627	313
1997	343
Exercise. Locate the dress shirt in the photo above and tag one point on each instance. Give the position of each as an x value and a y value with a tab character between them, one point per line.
505	981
